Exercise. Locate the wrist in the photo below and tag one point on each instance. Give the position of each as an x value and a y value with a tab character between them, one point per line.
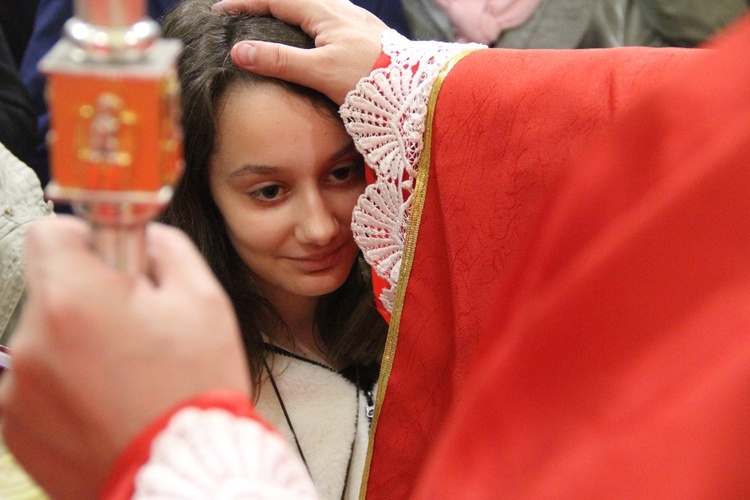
120	480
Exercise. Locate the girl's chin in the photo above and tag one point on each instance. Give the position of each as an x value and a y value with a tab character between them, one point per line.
318	289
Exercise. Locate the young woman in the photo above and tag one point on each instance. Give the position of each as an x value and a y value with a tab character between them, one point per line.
270	184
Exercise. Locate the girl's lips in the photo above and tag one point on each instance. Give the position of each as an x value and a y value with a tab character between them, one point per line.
318	262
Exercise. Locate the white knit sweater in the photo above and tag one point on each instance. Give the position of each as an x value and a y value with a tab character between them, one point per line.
322	406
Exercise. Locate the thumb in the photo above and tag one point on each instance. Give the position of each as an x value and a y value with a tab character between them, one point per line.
175	262
322	69
275	60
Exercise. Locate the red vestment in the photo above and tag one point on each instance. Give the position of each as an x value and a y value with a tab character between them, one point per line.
578	329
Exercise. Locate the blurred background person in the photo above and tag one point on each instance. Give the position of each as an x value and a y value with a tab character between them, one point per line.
21	203
17	20
17	123
570	24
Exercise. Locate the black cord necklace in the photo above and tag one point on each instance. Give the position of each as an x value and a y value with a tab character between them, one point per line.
291	426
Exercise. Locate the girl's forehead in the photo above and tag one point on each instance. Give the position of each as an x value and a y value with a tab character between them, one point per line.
242	90
270	105
271	126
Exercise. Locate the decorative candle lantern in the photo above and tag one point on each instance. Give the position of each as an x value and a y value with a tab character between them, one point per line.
115	138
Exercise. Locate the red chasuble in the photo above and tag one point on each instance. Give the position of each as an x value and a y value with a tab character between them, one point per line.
575	328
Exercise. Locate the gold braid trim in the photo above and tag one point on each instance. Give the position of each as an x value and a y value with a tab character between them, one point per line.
407	259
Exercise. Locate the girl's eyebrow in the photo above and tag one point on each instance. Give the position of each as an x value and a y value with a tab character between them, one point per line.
254	169
347	150
249	169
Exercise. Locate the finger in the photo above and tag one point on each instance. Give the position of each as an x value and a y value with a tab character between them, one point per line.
55	248
59	243
292	64
292	12
54	237
174	260
313	16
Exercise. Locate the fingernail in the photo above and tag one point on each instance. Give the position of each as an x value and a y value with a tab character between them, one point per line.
245	53
221	6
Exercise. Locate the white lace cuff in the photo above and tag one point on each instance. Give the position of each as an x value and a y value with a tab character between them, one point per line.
212	453
386	114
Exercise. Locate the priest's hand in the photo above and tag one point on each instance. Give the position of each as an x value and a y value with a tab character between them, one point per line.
347	40
99	354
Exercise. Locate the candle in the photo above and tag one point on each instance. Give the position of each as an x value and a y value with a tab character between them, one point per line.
115	137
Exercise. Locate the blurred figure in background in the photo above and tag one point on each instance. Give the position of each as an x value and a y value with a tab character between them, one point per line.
552	24
17	124
17	21
21	203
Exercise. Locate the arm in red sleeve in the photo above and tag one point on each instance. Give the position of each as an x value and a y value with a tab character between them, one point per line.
211	445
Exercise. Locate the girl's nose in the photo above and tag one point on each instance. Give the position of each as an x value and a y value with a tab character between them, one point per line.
317	223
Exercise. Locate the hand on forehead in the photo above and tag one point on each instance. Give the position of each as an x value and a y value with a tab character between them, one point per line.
347	40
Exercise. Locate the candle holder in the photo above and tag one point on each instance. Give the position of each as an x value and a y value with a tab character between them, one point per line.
115	138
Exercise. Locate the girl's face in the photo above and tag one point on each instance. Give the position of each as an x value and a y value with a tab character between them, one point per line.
285	176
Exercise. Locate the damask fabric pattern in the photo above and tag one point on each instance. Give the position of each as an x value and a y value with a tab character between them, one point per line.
619	368
483	203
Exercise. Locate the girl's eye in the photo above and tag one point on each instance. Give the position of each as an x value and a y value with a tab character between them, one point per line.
343	174
267	193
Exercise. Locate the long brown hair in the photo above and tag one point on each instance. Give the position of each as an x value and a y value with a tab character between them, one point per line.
353	331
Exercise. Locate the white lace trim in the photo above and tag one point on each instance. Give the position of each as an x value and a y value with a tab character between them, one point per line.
215	454
386	114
